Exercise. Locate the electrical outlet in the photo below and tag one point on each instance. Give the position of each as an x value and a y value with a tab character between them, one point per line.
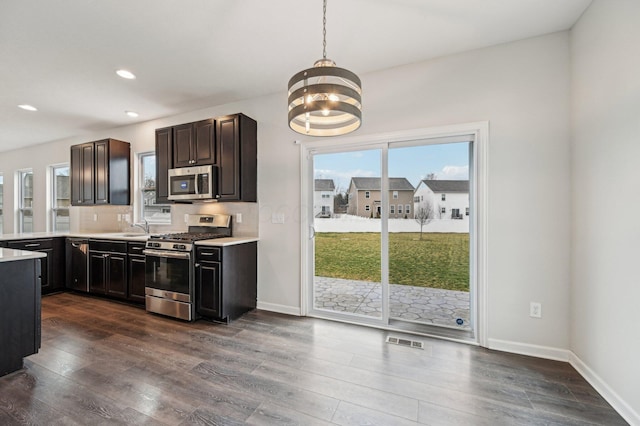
186	218
95	217
238	217
535	310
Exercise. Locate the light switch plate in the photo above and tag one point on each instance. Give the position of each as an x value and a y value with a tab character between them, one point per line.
238	217
535	310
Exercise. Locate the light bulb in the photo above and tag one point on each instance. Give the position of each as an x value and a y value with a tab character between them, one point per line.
333	97
325	112
309	99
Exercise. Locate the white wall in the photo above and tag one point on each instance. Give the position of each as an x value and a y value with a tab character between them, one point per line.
605	235
521	88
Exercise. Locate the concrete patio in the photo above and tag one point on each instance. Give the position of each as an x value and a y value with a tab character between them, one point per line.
416	304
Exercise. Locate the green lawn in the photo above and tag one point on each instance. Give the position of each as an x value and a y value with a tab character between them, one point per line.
436	260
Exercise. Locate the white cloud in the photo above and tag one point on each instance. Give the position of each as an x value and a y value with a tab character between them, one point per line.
454	173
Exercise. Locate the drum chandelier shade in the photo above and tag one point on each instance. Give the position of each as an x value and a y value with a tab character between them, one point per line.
325	100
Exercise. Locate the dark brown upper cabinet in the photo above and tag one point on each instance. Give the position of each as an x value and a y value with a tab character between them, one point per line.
194	144
236	138
164	162
100	173
229	142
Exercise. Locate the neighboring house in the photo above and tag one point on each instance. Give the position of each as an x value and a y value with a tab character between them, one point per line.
365	197
449	198
323	197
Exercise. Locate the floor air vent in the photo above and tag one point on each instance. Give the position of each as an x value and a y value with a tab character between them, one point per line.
405	342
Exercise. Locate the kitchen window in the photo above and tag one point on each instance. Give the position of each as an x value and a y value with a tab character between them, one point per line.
1	201
25	201
60	198
149	210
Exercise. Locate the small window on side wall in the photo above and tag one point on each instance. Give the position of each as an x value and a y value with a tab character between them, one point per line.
149	210
25	200
60	198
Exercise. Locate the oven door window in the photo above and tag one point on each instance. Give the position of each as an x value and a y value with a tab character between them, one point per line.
168	274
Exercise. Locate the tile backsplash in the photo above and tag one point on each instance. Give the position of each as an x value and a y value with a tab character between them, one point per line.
113	218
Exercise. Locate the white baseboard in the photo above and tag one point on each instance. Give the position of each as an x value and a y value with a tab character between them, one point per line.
556	354
282	309
627	412
545	352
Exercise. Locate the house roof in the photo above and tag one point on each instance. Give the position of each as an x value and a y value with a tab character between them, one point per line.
373	184
447	185
324	185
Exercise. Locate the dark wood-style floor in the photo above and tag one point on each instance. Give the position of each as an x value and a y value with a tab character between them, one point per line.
103	362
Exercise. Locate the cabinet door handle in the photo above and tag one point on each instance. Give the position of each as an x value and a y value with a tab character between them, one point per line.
32	245
197	265
204	253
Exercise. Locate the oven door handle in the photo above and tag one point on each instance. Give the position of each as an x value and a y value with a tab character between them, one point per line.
171	254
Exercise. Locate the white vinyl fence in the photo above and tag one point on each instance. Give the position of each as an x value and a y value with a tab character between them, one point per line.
350	223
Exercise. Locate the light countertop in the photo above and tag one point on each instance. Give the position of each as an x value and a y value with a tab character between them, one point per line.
229	241
11	255
125	236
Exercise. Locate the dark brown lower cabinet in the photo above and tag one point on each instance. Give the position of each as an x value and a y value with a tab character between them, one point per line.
135	288
53	272
108	268
226	280
20	318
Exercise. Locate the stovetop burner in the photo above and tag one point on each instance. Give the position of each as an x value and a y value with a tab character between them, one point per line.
200	227
189	236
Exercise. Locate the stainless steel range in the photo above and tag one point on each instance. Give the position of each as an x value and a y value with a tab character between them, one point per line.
169	265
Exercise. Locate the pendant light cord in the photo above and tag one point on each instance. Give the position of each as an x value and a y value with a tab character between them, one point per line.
324	29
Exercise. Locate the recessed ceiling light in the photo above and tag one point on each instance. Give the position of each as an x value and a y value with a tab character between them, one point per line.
126	74
28	107
131	113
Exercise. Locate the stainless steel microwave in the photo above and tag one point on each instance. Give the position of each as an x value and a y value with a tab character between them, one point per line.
192	183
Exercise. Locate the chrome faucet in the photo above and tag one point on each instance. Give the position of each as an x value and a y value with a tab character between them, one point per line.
144	226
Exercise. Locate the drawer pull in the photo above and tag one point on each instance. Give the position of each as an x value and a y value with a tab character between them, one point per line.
32	245
203	253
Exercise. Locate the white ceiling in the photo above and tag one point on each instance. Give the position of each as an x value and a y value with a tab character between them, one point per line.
61	56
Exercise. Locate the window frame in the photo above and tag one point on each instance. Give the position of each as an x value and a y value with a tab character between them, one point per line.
142	189
2	203
54	208
395	195
20	197
392	209
367	194
407	209
444	197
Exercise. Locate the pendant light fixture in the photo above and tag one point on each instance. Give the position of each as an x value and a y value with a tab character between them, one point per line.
325	100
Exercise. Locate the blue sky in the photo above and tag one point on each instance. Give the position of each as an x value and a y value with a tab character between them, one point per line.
447	161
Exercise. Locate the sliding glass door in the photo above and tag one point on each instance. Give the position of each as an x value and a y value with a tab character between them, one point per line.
390	234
